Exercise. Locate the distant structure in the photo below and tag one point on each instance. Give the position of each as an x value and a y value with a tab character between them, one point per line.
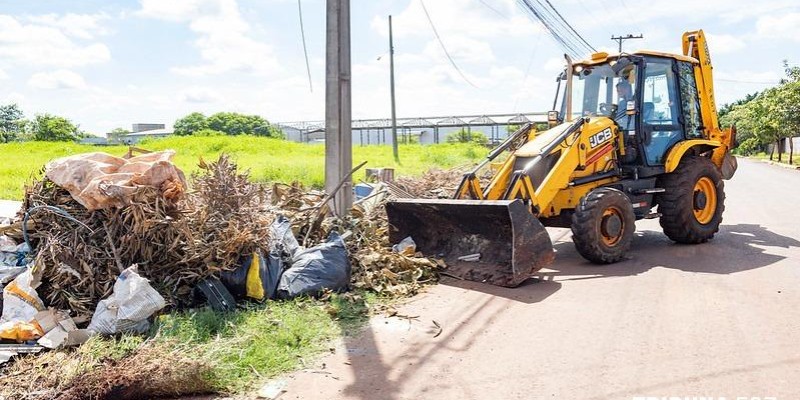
140	132
423	130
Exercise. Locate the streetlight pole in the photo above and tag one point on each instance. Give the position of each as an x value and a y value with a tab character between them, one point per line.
395	151
338	107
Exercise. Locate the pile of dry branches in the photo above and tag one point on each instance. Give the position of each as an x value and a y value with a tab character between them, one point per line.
374	265
175	243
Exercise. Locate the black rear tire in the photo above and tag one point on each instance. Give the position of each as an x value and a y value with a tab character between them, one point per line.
603	226
692	205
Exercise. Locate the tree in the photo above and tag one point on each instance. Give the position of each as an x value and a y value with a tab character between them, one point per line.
118	134
11	122
465	136
232	123
191	124
52	128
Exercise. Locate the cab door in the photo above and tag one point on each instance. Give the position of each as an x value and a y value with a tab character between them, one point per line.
660	109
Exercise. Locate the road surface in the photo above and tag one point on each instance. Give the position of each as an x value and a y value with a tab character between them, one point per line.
720	319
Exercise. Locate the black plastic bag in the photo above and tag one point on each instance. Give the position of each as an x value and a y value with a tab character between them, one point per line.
325	266
257	275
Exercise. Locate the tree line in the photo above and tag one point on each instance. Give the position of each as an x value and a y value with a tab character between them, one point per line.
15	127
47	127
771	117
225	123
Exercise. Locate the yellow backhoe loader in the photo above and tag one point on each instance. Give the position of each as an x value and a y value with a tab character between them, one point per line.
634	131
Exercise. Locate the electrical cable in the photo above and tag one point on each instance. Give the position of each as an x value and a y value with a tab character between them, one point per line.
441	43
305	49
493	9
555	24
570	27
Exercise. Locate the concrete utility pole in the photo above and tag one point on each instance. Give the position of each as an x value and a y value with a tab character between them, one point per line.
620	39
391	82
338	107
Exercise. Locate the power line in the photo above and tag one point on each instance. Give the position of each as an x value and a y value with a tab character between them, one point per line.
558	27
570	26
305	49
493	9
547	25
446	53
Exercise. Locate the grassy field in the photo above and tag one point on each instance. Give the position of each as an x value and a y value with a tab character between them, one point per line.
269	160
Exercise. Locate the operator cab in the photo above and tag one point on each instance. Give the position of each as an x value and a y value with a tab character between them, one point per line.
652	98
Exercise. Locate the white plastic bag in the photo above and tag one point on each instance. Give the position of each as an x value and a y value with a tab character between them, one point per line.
20	300
127	309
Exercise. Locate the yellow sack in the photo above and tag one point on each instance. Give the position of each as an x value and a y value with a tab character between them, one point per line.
254	285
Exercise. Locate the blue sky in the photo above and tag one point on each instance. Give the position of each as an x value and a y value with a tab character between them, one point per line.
109	64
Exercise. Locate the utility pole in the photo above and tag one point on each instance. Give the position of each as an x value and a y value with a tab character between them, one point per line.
620	39
338	106
391	82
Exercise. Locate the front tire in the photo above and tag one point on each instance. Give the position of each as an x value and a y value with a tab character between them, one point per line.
603	226
691	206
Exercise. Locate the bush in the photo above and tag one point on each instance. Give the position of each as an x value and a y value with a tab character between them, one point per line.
209	132
463	136
748	147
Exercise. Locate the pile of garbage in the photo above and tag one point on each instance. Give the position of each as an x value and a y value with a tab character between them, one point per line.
103	243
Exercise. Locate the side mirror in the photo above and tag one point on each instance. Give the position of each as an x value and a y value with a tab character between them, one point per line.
552	118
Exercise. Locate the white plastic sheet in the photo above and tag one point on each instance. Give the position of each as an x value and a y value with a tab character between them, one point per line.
131	303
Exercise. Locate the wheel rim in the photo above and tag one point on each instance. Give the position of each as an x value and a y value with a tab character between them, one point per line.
612	225
705	200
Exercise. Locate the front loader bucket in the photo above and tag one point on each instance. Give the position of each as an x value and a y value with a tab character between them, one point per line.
512	243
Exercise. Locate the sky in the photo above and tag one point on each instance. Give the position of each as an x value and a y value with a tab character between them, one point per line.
106	64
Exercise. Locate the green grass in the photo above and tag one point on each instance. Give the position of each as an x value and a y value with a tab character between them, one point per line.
269	160
245	346
784	157
230	353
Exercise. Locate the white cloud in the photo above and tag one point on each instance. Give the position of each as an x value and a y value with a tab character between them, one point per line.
58	79
33	44
200	95
3	75
786	26
224	36
83	26
458	18
721	44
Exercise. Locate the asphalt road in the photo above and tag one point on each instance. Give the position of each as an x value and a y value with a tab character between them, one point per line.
721	319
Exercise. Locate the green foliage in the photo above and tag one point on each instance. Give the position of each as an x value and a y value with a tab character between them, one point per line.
191	124
52	128
766	117
11	122
465	136
749	146
209	132
117	134
239	124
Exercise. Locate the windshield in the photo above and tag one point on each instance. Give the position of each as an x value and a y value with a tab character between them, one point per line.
597	90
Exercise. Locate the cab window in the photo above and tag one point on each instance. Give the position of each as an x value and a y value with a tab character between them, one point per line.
660	110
